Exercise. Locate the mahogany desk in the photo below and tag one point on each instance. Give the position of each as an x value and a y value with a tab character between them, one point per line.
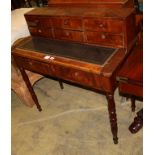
94	67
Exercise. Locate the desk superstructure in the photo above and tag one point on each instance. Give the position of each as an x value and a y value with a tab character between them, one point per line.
83	42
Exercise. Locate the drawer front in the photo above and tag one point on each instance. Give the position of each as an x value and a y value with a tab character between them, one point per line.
48	33
68	35
67	23
104	39
73	75
34	65
114	26
34	21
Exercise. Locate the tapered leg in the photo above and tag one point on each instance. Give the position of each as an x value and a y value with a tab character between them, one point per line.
133	106
112	116
30	88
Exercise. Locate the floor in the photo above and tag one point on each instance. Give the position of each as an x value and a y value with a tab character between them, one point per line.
74	121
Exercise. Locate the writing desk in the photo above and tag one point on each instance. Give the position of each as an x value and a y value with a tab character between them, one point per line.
90	66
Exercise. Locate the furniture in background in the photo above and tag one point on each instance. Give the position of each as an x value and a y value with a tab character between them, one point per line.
130	79
15	4
137	124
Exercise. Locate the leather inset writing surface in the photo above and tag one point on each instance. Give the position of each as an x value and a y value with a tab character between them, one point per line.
91	54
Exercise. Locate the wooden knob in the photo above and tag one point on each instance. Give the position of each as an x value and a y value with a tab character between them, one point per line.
67	34
66	21
76	73
101	25
36	21
39	31
103	36
30	63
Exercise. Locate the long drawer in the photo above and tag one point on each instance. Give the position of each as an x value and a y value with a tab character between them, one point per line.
73	75
33	65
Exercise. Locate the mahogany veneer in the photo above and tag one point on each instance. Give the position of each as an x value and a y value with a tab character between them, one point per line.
105	27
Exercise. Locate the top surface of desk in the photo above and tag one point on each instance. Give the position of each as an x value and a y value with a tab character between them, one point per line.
87	53
132	70
82	12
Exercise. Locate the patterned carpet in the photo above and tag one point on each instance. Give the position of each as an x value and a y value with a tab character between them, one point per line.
74	121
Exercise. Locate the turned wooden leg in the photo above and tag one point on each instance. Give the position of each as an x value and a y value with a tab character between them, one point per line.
133	106
137	124
112	116
61	84
30	88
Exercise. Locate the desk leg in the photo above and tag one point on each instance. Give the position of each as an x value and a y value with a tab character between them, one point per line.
133	106
112	116
61	84
30	88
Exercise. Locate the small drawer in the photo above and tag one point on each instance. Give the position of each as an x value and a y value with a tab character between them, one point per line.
67	23
48	33
34	21
33	65
73	75
68	35
104	25
106	39
45	22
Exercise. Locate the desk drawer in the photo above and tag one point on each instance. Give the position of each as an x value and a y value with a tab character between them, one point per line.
106	39
73	75
35	31
34	21
68	35
67	23
33	65
114	26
